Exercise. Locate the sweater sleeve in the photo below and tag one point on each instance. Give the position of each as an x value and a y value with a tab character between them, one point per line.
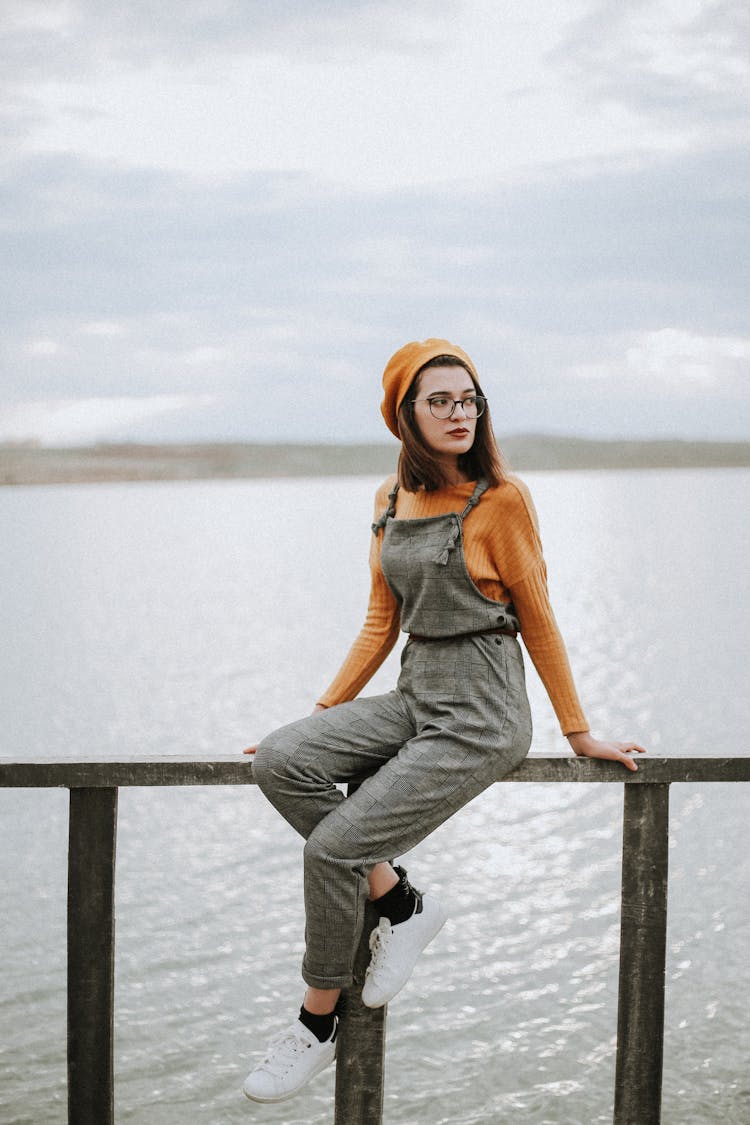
526	581
546	648
379	632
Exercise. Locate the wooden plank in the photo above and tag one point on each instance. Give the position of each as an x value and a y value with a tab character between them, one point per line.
643	938
238	771
110	773
91	919
360	1061
651	770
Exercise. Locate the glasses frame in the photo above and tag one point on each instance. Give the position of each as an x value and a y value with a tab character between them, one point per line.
480	400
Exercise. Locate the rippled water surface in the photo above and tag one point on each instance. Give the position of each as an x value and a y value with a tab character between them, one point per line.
191	618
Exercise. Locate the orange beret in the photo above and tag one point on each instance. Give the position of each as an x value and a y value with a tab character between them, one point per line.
404	365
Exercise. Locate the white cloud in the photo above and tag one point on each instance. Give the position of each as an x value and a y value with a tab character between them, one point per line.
681	60
174	358
83	420
679	358
672	358
205	356
104	328
39	15
42	348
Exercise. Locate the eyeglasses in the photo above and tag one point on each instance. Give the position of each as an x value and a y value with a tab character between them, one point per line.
443	407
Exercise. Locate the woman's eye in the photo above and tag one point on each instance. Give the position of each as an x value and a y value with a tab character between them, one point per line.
439	401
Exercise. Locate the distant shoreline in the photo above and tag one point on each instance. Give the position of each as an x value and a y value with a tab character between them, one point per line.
29	464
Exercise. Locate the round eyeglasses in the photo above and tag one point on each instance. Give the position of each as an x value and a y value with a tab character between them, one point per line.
442	407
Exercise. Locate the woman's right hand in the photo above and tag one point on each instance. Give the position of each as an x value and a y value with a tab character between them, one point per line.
252	749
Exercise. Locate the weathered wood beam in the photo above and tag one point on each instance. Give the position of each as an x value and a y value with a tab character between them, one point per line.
238	771
91	960
643	940
360	1061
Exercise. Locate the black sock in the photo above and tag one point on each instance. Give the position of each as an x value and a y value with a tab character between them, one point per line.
322	1027
399	903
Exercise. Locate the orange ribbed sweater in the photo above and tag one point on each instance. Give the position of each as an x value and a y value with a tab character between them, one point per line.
504	558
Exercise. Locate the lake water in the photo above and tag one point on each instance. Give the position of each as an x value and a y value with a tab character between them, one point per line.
153	619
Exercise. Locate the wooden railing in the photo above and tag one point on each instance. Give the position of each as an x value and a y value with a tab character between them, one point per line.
94	788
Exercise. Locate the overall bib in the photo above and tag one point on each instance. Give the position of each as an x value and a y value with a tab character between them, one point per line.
458	720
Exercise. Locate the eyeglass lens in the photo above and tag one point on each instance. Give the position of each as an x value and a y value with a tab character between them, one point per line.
442	408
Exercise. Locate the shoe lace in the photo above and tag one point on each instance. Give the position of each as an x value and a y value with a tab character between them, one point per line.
283	1050
380	939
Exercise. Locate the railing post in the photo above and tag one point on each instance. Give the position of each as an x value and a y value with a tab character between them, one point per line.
361	1051
91	921
360	1059
643	938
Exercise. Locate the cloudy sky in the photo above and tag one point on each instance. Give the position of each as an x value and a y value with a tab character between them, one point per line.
220	217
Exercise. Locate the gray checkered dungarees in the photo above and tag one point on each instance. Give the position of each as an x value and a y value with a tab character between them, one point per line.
457	721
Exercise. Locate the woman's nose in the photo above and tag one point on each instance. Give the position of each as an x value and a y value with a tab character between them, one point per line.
458	405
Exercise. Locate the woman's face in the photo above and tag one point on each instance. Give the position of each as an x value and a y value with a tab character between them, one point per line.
449	436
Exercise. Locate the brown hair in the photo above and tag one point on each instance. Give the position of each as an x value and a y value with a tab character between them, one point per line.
417	465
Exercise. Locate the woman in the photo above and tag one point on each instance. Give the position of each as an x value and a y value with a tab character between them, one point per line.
456	563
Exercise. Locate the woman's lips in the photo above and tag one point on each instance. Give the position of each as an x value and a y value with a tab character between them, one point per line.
459	432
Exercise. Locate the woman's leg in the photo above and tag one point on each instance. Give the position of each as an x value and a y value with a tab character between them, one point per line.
382	879
432	777
300	767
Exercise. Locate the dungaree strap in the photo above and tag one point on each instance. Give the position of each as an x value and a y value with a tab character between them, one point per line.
479	490
390	511
455	532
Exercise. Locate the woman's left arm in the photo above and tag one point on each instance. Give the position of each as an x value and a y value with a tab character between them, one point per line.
585	745
518	550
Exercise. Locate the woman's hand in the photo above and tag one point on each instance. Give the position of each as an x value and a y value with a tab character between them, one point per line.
252	749
586	746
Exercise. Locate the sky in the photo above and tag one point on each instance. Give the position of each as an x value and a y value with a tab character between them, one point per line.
219	218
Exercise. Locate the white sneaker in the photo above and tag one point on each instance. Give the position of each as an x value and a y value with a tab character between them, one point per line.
292	1058
395	950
